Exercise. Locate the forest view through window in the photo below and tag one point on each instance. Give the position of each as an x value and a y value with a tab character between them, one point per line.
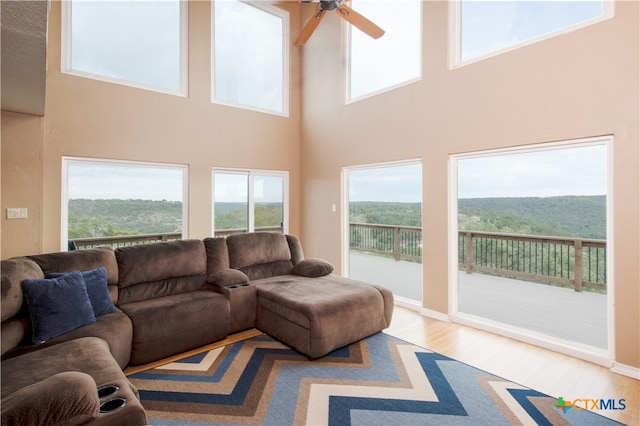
532	240
385	227
248	201
113	203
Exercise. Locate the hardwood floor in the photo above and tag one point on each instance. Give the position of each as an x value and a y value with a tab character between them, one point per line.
540	369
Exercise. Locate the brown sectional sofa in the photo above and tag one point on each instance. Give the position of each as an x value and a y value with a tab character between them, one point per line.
163	299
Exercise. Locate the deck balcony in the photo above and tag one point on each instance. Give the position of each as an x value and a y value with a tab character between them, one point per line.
552	285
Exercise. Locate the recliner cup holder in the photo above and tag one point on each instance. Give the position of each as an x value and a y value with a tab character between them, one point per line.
108	390
111	405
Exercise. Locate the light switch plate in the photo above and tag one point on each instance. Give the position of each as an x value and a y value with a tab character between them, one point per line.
17	213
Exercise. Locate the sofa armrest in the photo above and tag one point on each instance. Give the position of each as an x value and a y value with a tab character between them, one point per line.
312	268
70	398
228	277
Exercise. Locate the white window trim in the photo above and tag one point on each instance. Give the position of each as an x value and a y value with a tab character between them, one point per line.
347	29
67	160
251	203
455	34
601	357
284	15
65	61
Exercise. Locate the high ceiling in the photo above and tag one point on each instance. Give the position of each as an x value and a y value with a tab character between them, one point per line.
24	55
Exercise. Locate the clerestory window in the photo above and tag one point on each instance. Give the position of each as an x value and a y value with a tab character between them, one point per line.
141	43
485	28
250	56
393	60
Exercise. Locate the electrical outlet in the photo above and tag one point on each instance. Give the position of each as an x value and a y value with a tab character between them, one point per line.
17	213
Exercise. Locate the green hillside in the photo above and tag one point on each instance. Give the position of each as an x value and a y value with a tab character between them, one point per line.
574	216
571	216
568	216
101	218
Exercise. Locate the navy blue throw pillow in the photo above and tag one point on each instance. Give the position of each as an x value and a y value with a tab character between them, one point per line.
57	305
96	282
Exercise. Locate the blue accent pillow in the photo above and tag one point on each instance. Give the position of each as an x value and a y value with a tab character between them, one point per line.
96	282
57	305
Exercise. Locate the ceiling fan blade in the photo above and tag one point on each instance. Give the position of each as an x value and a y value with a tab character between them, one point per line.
310	27
359	21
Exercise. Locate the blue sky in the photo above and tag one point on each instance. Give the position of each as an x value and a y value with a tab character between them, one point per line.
494	25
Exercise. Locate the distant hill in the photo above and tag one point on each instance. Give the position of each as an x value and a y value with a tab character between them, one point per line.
98	218
112	217
566	216
575	216
571	216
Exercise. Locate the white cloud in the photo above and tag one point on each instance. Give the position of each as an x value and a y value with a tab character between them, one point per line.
109	181
571	171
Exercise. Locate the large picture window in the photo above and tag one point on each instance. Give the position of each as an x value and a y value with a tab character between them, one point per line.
250	56
390	61
486	28
141	43
533	244
117	203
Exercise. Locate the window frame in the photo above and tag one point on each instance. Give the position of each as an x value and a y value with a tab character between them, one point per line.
286	43
347	29
455	34
251	173
68	160
600	357
65	53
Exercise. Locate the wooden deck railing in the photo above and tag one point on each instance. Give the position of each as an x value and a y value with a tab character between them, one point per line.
130	240
566	261
123	240
576	262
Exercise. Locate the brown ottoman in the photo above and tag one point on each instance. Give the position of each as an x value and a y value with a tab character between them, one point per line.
318	315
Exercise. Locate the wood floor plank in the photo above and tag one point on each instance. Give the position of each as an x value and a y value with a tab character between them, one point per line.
543	370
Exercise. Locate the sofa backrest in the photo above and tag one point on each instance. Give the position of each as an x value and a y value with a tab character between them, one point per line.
82	260
217	256
148	271
15	316
261	254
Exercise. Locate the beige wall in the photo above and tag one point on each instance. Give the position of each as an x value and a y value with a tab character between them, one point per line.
21	183
89	118
578	85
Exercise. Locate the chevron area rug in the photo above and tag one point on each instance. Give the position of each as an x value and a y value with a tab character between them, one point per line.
379	380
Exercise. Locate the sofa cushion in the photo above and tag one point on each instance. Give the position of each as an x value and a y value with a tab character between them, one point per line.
155	262
57	305
312	268
96	282
260	254
68	398
166	326
257	248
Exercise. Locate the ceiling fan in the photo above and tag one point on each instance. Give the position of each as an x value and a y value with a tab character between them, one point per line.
345	12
